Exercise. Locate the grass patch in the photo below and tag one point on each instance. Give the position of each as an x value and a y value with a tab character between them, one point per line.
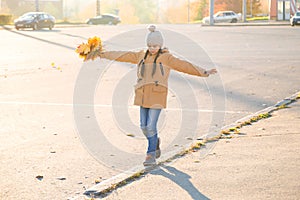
258	18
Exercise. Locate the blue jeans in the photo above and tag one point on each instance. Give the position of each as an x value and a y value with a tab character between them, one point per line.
148	123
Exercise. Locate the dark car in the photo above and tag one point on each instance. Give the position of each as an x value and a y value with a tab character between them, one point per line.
35	20
295	20
104	19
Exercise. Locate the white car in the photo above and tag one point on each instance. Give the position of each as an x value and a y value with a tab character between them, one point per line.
295	20
223	17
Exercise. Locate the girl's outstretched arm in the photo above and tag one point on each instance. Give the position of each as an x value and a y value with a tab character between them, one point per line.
186	67
121	56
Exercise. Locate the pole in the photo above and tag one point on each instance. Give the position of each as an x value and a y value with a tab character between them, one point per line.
98	7
37	6
157	11
251	7
188	11
65	5
62	9
211	12
244	10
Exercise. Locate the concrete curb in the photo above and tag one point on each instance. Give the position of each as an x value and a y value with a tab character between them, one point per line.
248	24
104	188
267	23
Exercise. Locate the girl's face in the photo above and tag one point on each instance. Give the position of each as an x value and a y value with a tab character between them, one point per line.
153	49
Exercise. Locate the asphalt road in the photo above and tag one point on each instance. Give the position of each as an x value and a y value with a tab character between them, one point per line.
257	66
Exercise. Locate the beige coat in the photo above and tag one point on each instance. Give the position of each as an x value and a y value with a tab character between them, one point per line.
151	90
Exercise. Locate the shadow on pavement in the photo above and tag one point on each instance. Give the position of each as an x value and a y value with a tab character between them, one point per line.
181	179
36	38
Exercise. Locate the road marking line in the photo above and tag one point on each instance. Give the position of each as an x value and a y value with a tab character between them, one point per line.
109	105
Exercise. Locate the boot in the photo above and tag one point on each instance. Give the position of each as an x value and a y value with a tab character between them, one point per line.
149	161
158	151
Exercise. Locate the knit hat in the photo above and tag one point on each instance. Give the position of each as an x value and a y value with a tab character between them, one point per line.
154	37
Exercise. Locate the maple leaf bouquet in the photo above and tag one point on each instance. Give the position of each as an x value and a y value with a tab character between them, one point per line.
91	49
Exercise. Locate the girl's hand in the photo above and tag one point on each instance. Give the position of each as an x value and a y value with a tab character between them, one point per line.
93	55
211	71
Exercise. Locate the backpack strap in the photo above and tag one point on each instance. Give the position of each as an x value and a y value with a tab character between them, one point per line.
161	69
154	63
142	62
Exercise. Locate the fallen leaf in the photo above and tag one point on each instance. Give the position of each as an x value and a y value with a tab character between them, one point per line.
97	181
232	129
39	177
225	132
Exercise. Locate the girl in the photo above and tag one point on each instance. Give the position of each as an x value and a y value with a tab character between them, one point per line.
153	69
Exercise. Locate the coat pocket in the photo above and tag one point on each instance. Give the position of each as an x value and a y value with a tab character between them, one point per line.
159	96
159	88
138	99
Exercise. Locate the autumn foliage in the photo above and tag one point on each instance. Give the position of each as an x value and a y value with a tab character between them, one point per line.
91	49
170	11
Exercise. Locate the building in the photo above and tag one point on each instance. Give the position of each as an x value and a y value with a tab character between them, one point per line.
19	7
283	9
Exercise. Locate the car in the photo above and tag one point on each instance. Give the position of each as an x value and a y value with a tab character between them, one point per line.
35	20
104	19
295	20
223	16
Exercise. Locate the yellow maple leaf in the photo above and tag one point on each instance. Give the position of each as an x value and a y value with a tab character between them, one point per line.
83	49
94	42
83	56
91	49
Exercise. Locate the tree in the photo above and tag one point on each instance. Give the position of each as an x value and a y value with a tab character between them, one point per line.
176	14
11	3
127	14
201	10
133	11
145	10
254	7
234	5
